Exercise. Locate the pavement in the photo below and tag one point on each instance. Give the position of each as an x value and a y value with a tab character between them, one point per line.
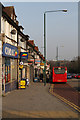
35	102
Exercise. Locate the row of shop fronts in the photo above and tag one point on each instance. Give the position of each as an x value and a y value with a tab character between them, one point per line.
16	67
21	58
9	67
11	73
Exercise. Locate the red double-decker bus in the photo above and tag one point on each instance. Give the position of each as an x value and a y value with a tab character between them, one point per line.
59	74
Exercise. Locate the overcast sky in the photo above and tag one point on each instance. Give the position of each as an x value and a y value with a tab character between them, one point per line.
62	28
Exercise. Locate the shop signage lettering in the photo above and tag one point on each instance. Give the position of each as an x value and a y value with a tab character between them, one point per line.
10	51
41	64
37	61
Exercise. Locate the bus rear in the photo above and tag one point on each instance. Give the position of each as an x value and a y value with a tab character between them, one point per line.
59	74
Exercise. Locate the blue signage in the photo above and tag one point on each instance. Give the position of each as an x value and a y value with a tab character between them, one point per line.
10	51
24	55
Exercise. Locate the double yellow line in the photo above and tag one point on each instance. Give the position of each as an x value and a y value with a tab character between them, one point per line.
64	100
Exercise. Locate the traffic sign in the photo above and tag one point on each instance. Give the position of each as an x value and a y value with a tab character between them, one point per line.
20	66
21	63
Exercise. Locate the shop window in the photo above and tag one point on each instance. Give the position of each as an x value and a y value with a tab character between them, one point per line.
7	70
23	73
35	72
13	69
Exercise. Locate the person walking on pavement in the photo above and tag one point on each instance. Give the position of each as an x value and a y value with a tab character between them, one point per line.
41	77
27	82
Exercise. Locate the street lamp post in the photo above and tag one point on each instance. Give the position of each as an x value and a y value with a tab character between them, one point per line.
57	52
45	40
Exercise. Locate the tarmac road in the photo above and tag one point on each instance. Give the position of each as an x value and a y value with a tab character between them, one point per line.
75	83
35	102
68	93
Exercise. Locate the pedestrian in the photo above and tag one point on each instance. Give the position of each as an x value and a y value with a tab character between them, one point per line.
41	77
27	82
47	77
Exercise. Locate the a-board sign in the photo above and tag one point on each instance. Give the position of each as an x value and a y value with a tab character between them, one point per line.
22	84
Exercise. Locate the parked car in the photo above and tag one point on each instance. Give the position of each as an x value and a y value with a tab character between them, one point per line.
74	75
69	76
78	76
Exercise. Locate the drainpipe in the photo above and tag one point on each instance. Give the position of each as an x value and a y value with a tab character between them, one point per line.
0	64
0	52
0	76
17	65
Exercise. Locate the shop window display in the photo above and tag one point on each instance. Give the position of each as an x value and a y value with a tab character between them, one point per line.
13	69
7	70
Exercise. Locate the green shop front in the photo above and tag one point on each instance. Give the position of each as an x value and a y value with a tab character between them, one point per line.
9	67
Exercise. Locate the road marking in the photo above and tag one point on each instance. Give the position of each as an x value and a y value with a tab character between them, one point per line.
65	100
